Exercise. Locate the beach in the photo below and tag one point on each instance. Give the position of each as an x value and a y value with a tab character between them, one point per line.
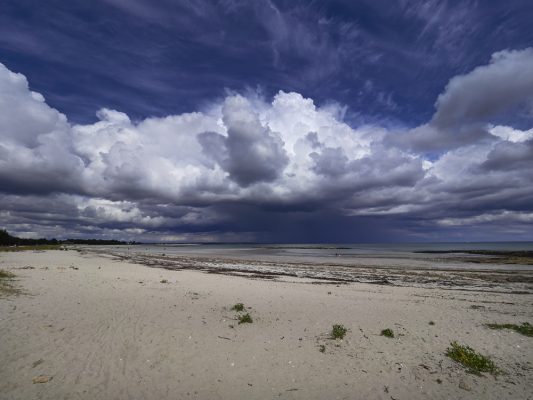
93	324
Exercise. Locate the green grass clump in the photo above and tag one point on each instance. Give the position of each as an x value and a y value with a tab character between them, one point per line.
322	348
245	319
525	329
6	274
387	332
338	331
472	360
238	307
6	286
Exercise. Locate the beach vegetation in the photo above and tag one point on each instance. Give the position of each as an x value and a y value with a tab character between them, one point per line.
238	307
6	274
164	281
387	333
245	319
322	348
525	328
473	361
41	247
6	283
338	331
431	323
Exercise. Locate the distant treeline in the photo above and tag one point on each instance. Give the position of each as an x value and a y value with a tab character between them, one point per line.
7	240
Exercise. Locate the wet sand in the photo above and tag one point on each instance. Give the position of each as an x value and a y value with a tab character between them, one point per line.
102	326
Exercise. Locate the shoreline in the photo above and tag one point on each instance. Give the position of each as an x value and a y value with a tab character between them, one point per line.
509	280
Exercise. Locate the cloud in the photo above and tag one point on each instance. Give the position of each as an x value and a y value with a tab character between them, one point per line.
250	152
330	162
256	169
510	134
487	91
504	216
511	156
471	101
27	107
35	152
445	27
304	38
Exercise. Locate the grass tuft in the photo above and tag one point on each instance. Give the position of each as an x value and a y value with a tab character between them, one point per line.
238	307
470	359
322	348
245	319
6	274
387	333
6	285
164	281
525	329
338	331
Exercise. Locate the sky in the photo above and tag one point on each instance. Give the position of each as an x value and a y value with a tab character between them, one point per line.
267	121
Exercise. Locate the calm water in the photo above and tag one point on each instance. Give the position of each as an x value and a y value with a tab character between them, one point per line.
377	249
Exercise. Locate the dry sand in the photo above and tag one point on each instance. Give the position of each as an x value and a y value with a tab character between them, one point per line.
108	329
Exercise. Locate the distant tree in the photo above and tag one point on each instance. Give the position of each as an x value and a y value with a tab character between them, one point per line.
6	239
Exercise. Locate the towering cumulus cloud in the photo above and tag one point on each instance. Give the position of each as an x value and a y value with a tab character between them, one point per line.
36	154
246	168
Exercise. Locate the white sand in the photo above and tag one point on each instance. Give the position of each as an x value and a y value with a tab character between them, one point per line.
102	334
